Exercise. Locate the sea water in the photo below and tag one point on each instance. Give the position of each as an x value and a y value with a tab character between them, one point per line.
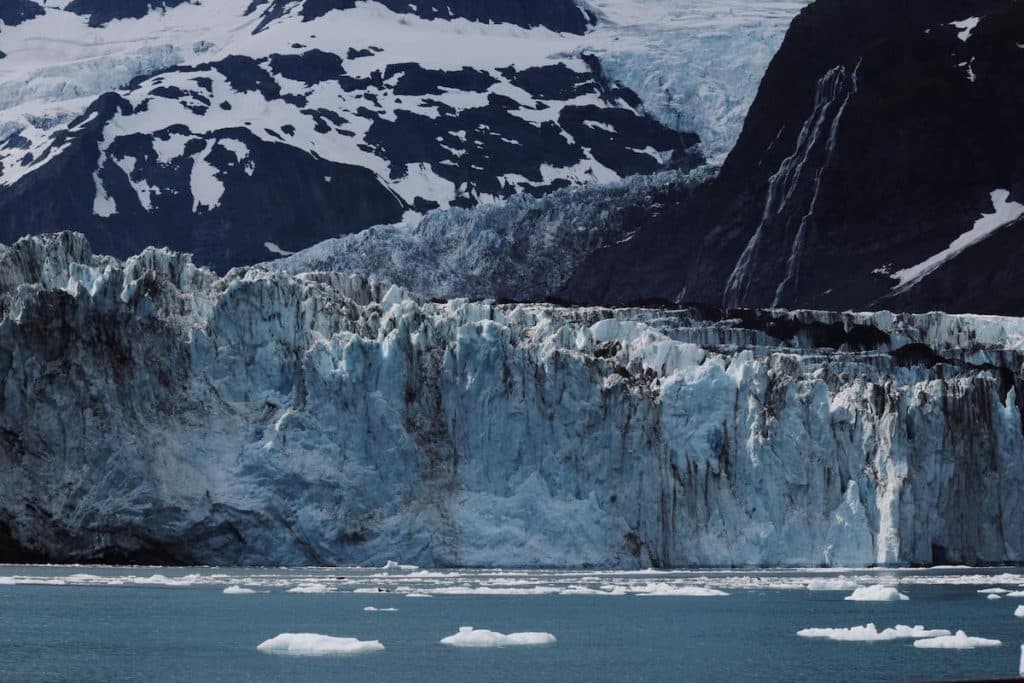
162	624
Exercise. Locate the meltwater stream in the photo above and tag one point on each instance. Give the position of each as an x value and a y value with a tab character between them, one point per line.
163	625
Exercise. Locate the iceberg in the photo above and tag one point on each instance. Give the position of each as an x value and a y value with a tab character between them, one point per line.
314	644
958	641
471	637
877	593
870	633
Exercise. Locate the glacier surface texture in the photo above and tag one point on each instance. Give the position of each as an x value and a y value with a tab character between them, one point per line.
151	410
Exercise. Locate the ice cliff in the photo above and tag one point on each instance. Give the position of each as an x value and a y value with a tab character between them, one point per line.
153	411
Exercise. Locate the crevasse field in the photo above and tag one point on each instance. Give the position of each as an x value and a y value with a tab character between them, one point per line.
403	623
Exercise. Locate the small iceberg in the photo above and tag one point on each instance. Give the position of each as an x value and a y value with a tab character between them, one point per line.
1019	612
371	608
877	593
993	591
839	583
311	588
870	633
315	645
392	565
994	596
662	589
238	590
959	641
473	637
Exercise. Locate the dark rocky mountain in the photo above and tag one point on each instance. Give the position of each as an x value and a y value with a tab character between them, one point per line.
325	118
880	166
557	15
13	12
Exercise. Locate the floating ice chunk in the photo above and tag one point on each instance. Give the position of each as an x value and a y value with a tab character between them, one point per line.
1015	594
839	583
314	644
238	590
993	596
161	580
876	593
391	564
869	633
960	641
471	637
371	608
1019	612
993	591
662	589
417	595
8	581
311	588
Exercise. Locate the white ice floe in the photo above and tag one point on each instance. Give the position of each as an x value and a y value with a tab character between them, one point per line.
161	580
876	593
371	608
314	644
839	583
993	596
993	591
471	637
1019	612
417	595
870	633
670	590
391	564
959	641
238	590
311	588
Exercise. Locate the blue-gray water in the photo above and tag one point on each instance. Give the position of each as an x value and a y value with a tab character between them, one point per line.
104	625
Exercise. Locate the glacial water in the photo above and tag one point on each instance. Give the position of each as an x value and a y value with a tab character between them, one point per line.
159	624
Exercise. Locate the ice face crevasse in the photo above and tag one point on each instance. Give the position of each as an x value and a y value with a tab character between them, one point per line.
153	411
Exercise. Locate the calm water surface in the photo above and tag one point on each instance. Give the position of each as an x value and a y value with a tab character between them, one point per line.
97	624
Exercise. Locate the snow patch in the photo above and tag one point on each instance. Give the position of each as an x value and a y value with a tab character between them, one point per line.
1004	212
274	249
966	26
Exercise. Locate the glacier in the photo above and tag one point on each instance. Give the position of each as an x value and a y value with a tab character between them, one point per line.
153	411
523	249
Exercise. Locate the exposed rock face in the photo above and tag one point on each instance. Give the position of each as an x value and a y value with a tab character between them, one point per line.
150	410
879	167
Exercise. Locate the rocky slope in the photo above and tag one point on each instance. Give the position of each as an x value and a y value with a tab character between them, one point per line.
153	411
879	167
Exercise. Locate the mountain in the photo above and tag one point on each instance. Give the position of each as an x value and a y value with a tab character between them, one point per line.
238	130
152	411
880	166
